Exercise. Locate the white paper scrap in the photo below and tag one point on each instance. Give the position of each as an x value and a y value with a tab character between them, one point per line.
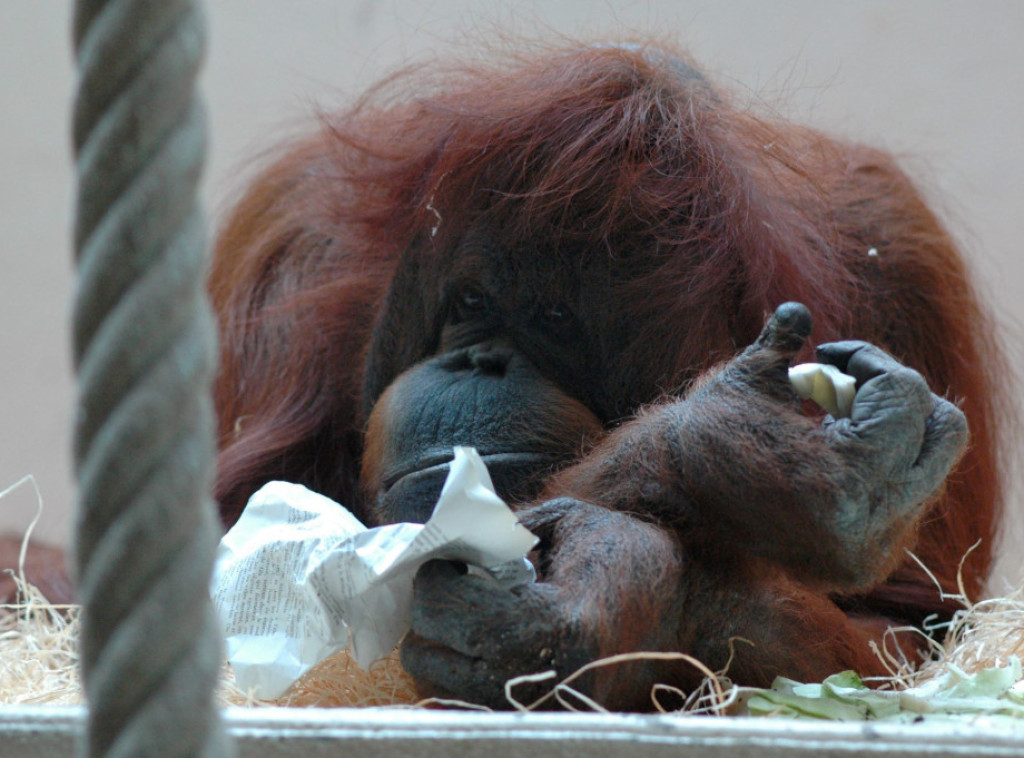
298	577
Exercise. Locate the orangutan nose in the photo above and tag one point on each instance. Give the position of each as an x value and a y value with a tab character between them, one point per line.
490	357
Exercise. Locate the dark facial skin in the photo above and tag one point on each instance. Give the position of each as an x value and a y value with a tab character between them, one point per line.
487	396
507	370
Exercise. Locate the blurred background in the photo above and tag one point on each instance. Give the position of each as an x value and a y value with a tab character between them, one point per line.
941	84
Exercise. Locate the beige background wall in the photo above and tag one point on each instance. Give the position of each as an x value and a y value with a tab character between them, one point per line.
941	83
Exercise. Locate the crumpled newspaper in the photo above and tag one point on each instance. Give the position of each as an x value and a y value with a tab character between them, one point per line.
298	577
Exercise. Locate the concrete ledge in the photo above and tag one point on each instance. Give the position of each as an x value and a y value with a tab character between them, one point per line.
50	731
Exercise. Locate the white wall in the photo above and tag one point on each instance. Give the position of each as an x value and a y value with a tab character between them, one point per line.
939	82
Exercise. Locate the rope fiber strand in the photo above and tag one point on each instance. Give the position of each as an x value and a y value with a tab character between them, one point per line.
144	351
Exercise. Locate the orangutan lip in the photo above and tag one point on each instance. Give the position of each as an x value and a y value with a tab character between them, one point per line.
429	465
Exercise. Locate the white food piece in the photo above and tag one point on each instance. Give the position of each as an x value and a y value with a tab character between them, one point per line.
826	385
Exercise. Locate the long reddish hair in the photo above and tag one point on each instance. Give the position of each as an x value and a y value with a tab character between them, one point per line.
607	148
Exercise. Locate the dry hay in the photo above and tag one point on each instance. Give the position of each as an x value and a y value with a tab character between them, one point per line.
38	663
38	651
983	635
39	666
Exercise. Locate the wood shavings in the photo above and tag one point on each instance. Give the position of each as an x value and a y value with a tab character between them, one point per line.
980	636
38	663
39	666
336	682
38	651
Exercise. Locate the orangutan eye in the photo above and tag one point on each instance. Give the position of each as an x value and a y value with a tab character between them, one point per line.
470	303
473	299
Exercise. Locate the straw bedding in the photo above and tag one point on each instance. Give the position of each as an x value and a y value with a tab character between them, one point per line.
38	666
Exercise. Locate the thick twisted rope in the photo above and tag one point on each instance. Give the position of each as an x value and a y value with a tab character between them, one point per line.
144	351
